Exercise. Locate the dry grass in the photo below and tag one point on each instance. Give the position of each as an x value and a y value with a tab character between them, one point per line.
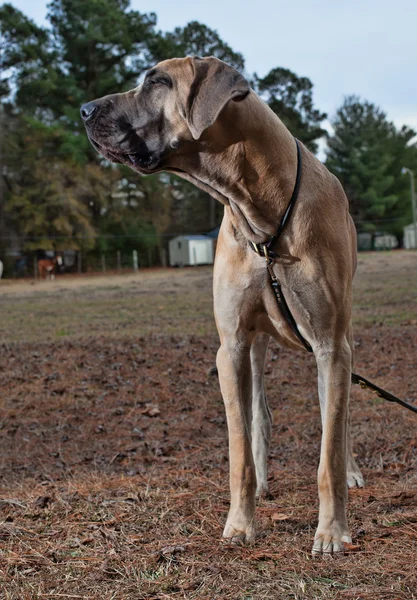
114	451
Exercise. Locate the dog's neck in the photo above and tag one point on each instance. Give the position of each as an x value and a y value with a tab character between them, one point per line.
248	161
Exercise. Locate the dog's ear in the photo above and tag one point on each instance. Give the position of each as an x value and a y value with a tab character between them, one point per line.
214	84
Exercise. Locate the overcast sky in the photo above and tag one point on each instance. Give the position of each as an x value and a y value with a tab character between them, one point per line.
363	47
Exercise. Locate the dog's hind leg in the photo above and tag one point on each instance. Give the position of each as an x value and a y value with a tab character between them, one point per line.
334	370
354	476
261	415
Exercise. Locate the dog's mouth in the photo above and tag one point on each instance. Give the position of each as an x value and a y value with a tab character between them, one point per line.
143	161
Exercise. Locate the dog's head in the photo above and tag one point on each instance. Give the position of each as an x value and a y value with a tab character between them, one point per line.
178	100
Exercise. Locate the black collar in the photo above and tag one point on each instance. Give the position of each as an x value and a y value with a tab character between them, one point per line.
264	249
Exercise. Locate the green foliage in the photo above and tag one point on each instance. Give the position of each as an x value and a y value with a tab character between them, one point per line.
56	184
404	154
45	189
137	204
195	39
192	210
56	187
366	153
23	47
291	98
101	47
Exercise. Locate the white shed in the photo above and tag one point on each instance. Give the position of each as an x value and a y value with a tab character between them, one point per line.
185	250
409	237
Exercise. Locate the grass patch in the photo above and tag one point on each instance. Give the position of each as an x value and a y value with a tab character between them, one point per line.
101	497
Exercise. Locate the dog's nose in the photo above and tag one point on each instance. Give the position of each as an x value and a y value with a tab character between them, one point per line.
88	110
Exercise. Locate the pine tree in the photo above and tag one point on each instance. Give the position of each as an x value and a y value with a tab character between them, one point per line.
365	153
291	98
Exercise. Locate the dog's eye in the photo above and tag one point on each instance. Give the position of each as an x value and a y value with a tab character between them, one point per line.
151	81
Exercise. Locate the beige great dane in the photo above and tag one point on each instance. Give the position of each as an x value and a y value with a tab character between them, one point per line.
198	118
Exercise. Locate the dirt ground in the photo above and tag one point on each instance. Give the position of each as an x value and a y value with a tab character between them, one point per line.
114	465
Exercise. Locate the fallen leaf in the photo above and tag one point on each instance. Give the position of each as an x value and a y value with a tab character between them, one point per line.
151	410
351	547
280	517
172	550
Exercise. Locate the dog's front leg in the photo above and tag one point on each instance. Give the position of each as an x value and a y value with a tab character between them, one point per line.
334	368
233	363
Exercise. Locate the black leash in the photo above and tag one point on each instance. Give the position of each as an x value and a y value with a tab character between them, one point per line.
365	384
265	250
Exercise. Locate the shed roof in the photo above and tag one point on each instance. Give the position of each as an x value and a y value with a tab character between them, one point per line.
191	238
214	233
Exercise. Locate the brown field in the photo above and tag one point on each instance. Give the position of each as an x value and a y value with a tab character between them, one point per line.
114	467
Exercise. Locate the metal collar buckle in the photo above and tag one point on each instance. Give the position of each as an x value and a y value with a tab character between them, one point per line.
263	250
256	248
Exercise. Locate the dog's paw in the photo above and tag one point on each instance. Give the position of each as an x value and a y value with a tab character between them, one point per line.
330	543
235	532
263	493
354	478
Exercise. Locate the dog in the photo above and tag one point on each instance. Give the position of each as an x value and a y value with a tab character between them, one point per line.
47	267
199	118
